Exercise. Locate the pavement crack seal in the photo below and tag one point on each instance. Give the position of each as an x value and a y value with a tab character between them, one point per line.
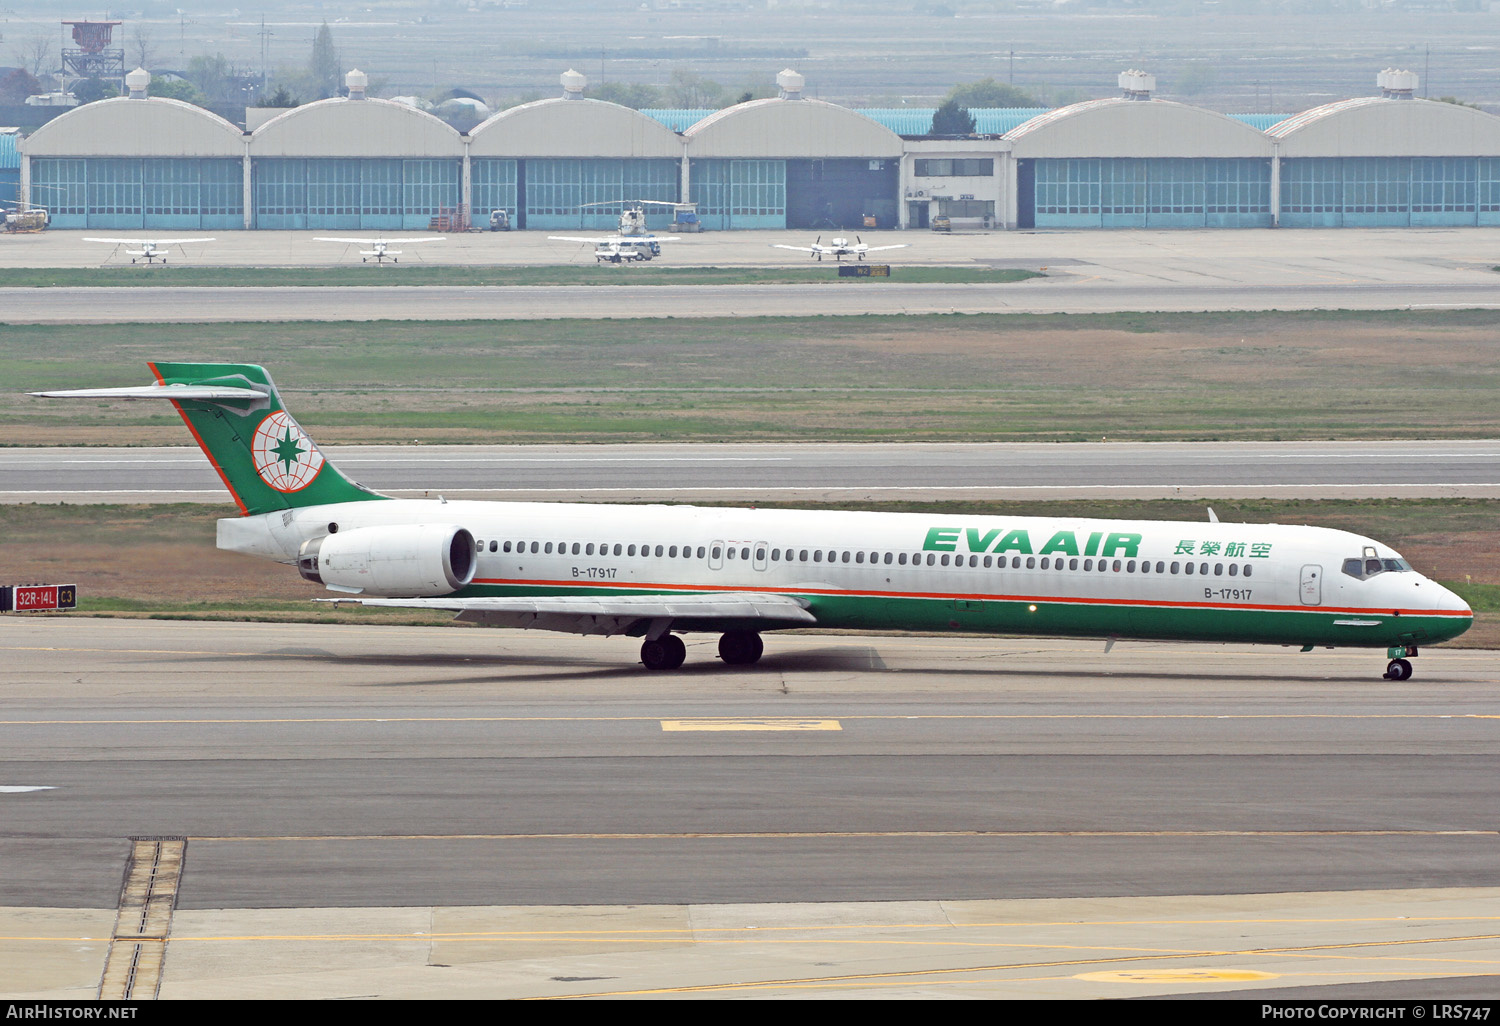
138	948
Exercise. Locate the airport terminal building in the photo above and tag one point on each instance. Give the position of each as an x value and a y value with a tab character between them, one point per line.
141	162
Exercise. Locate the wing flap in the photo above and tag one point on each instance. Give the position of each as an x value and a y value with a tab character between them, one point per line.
606	614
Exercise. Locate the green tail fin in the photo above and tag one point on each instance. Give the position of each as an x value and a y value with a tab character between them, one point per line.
263	456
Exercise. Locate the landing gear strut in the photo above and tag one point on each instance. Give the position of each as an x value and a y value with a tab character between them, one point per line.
740	648
666	653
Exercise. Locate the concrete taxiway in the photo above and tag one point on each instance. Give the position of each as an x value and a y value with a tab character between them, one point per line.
1087	272
403	812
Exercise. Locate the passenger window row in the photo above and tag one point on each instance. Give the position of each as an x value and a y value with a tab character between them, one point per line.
1129	566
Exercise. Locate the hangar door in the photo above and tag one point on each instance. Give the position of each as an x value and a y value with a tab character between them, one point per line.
369	193
739	193
132	192
841	193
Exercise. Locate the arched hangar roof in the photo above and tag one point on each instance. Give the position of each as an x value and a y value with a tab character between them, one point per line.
136	127
1136	128
1375	126
573	128
790	128
342	127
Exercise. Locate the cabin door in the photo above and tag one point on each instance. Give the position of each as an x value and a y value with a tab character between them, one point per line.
716	556
1312	585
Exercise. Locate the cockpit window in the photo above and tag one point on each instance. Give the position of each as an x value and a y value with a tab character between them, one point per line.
1369	566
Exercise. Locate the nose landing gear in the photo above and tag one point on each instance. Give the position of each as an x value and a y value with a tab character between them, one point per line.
1400	667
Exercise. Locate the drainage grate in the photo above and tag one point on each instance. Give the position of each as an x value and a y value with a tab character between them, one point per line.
138	949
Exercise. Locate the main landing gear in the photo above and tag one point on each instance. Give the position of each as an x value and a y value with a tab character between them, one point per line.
737	648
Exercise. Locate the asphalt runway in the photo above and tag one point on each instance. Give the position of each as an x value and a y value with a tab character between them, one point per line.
743	472
405	812
172	305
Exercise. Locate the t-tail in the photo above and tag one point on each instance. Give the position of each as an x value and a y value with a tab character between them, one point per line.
264	457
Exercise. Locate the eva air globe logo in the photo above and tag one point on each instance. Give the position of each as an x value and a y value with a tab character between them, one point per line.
285	458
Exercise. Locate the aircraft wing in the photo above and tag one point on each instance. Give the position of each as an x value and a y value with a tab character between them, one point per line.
874	249
799	249
608	614
576	238
141	242
430	238
352	242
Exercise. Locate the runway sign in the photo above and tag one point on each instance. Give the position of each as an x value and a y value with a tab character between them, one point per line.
26	598
864	270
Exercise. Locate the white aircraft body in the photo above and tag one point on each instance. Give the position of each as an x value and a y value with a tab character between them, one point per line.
150	249
658	572
839	248
615	249
380	248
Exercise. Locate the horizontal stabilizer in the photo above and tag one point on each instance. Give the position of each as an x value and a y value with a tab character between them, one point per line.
159	391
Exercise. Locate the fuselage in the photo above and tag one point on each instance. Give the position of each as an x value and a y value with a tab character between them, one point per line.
980	574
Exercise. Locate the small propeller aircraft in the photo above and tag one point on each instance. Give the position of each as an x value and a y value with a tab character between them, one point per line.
840	248
151	249
380	248
616	249
633	212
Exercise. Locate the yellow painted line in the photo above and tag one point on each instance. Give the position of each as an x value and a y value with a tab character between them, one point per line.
1177	976
840	834
776	724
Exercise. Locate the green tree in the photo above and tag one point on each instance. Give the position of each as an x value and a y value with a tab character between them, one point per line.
215	78
175	89
952	119
324	67
692	91
989	93
282	97
91	89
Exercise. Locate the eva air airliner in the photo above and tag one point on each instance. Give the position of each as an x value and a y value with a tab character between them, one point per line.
657	572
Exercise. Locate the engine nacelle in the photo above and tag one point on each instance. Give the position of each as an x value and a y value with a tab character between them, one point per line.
406	561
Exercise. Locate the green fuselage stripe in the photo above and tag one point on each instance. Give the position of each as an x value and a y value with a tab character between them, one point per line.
1069	615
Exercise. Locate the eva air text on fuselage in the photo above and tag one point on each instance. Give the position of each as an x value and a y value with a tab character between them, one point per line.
1065	543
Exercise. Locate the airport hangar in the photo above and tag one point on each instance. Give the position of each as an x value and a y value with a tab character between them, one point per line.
149	163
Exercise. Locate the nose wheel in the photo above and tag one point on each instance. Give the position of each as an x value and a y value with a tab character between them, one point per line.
1399	669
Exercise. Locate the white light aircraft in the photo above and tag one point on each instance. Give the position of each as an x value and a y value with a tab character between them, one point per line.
380	248
840	248
151	249
658	572
633	212
615	249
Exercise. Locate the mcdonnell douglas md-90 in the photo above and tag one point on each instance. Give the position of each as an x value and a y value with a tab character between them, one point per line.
656	572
